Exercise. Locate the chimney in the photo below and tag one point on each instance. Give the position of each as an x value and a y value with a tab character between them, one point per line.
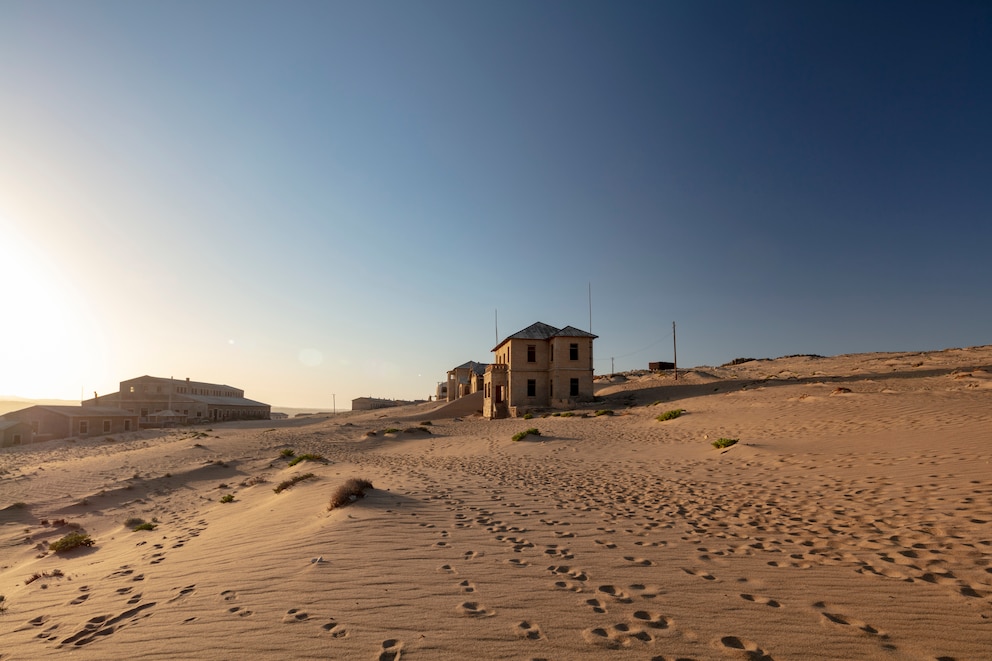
187	379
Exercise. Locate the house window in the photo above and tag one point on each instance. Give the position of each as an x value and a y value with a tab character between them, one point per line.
84	427
144	413
17	439
531	387
132	388
552	352
106	426
127	425
573	387
573	351
531	353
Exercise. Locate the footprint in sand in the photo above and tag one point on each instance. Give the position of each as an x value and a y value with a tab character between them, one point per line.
701	573
80	599
766	601
516	562
736	646
241	612
845	621
467	586
392	650
295	615
609	545
528	630
643	562
228	595
614	593
473	609
616	636
647	591
335	629
447	569
653	620
596	605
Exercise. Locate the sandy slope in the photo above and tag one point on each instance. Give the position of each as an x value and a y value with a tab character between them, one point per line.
845	525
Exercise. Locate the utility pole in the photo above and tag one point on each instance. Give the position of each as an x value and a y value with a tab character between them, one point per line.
612	369
590	307
675	353
334	399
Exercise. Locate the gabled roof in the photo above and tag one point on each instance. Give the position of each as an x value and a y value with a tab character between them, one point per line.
543	331
478	368
224	401
182	382
572	331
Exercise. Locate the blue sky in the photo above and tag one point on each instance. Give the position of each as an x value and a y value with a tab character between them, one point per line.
330	199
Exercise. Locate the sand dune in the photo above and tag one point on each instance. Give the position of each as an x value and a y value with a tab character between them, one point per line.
853	520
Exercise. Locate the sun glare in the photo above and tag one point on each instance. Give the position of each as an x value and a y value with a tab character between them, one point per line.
47	348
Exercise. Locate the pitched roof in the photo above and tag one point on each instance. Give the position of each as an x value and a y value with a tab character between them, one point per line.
542	331
80	410
572	331
224	401
478	368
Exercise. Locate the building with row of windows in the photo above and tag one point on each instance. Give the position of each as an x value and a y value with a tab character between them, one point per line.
162	401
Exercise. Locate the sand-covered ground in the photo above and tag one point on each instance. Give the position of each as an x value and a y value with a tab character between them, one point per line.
843	525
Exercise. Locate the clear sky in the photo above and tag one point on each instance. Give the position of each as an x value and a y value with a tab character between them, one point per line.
324	200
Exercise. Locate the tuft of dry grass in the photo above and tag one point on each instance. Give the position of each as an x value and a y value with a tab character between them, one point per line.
349	492
290	482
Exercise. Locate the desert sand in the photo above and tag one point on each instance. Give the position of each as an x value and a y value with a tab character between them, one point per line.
853	520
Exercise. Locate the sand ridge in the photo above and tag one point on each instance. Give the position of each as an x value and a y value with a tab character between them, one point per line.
853	520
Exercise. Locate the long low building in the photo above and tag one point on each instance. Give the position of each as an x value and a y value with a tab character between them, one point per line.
185	401
51	422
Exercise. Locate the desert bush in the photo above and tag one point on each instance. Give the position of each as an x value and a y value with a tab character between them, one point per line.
252	481
604	412
670	415
307	457
287	453
227	498
293	480
349	492
528	416
567	414
426	423
740	361
3	604
414	430
391	430
725	442
144	525
71	541
134	521
55	573
524	434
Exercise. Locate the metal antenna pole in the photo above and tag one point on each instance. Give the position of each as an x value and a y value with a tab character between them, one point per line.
675	353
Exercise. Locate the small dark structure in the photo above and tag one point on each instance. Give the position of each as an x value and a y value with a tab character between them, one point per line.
660	366
51	422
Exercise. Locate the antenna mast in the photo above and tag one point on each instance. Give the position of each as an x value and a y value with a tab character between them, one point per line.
590	306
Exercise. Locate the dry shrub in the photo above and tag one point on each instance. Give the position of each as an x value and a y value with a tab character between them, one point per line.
349	492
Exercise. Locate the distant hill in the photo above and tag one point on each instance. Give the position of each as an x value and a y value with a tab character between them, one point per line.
10	403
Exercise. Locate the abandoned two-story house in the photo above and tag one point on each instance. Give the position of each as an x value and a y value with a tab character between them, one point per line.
539	367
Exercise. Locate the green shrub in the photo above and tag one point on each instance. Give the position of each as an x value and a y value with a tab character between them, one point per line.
528	416
71	541
287	453
725	442
307	457
391	430
227	498
567	414
426	423
670	415
144	525
349	492
604	412
293	480
524	434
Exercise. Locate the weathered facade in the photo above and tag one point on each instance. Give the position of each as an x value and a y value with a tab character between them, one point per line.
14	432
51	422
465	379
539	367
369	403
187	402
